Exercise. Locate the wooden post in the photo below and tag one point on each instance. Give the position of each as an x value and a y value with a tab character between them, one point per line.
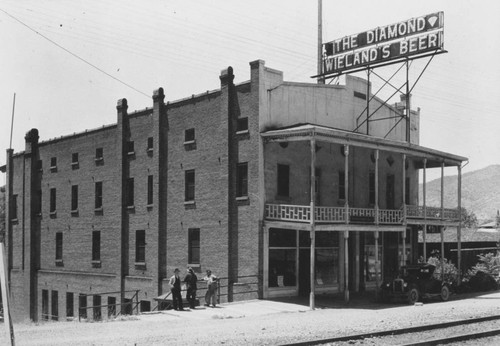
425	211
459	228
442	218
6	295
312	220
346	266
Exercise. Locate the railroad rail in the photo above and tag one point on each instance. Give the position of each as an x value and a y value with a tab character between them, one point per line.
423	328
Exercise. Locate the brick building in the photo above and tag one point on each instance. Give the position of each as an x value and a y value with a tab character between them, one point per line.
222	181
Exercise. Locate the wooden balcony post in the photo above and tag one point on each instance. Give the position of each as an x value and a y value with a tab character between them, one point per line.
459	228
346	182
377	216
377	264
425	210
346	266
312	222
442	218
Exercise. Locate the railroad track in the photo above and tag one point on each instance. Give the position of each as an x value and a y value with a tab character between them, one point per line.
448	337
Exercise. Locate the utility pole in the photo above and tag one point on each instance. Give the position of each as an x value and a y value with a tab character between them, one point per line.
321	80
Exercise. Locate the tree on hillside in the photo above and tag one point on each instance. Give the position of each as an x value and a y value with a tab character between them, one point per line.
469	219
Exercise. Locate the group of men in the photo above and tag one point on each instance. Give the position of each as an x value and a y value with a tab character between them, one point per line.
191	281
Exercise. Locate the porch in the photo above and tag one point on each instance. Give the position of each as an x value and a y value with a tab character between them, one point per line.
407	214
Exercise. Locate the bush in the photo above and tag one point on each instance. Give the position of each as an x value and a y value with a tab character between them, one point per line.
450	271
484	276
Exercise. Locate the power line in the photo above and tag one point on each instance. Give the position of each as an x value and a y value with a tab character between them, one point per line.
76	56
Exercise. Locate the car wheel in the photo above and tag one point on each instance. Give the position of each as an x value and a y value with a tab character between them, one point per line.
445	293
413	295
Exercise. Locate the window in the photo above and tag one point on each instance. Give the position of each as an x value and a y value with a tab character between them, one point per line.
283	180
70	305
14	207
130	192
242	125
82	303
98	195
242	180
74	160
150	144
189	185
39	165
194	246
55	305
45	305
99	154
74	198
189	136
282	257
96	302
59	247
371	188
341	185
96	246
145	305
407	191
53	200
111	306
150	190
129	146
140	246
53	164
38	206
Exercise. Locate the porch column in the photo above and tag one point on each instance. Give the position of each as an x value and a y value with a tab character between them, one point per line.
377	216
403	258
459	228
425	211
312	220
346	233
377	264
346	266
403	253
442	218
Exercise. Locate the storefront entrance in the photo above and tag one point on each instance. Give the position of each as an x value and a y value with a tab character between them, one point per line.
304	272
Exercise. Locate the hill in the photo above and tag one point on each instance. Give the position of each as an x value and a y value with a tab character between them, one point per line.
480	192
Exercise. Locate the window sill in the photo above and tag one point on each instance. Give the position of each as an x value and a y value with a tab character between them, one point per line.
140	265
131	153
130	207
96	264
149	206
242	198
59	263
98	210
14	221
53	169
98	160
149	150
189	202
74	212
53	214
75	165
190	142
242	132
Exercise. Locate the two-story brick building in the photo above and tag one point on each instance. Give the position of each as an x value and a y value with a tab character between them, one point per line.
222	181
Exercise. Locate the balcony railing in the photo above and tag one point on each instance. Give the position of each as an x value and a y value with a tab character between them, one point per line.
302	213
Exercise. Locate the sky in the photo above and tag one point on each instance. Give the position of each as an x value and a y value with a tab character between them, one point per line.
69	62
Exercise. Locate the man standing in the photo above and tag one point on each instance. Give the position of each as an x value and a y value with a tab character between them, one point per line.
175	288
210	296
191	281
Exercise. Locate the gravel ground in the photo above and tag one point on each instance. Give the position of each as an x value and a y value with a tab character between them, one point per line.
258	322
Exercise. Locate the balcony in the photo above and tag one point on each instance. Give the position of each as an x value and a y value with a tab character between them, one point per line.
336	215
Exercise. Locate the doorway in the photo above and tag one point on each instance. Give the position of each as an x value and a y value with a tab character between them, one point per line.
304	272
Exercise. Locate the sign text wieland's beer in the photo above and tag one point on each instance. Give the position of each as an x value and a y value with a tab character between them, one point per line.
390	42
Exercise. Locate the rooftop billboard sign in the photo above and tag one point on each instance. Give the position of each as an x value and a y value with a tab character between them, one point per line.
391	42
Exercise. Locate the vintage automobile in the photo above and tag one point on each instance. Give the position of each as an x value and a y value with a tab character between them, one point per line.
414	283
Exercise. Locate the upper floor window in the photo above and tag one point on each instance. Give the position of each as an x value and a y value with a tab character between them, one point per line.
53	200
74	198
98	195
242	180
140	246
99	154
242	125
150	190
53	164
194	246
189	136
341	185
150	144
130	192
59	246
129	147
74	160
371	188
96	245
189	185
14	207
407	191
283	180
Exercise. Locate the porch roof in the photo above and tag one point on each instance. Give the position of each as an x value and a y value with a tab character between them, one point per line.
304	132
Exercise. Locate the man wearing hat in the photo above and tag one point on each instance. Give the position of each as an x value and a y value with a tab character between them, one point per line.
191	281
175	288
